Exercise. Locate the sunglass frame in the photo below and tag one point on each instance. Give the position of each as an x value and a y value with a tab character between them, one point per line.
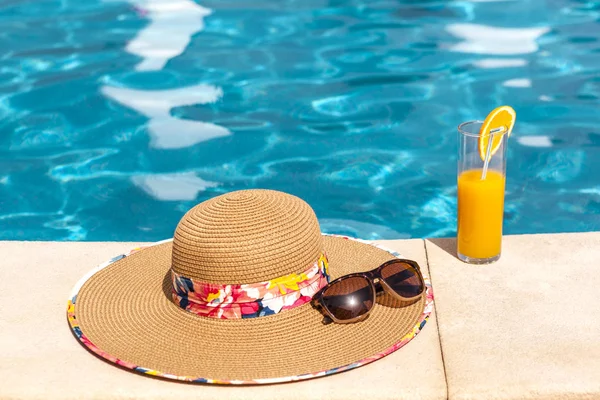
372	277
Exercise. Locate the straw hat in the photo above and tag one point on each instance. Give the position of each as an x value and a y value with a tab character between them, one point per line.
227	300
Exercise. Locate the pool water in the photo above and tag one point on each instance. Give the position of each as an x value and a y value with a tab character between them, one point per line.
118	116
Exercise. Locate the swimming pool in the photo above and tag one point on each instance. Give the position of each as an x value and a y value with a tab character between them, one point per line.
118	116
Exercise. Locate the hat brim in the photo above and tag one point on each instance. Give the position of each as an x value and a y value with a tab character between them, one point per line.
122	312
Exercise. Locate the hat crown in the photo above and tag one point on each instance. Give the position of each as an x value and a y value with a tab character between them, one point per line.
246	236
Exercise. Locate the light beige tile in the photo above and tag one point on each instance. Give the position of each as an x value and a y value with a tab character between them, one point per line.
40	359
526	327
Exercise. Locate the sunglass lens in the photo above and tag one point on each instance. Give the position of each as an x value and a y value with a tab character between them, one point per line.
349	298
403	279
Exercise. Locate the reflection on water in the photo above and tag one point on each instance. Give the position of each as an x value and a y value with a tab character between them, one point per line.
489	63
172	187
168	132
535	141
172	24
517	83
482	39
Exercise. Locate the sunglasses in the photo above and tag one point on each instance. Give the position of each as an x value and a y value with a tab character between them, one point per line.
351	297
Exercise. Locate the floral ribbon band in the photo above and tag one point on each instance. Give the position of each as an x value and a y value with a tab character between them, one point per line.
253	299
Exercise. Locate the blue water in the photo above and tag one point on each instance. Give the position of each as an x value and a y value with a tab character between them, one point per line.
118	116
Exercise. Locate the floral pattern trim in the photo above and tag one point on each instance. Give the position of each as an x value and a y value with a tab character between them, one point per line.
253	299
72	318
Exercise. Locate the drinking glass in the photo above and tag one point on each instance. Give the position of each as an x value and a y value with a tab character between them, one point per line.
480	194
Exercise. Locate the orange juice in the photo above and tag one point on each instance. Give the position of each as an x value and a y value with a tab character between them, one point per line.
480	213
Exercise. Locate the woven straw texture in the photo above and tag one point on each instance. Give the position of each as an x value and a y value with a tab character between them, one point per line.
126	311
245	237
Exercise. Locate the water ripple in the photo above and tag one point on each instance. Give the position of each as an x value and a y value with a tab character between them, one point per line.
118	116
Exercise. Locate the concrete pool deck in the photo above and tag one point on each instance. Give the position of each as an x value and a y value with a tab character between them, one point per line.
526	327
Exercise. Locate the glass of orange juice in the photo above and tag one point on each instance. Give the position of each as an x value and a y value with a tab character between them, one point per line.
481	190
